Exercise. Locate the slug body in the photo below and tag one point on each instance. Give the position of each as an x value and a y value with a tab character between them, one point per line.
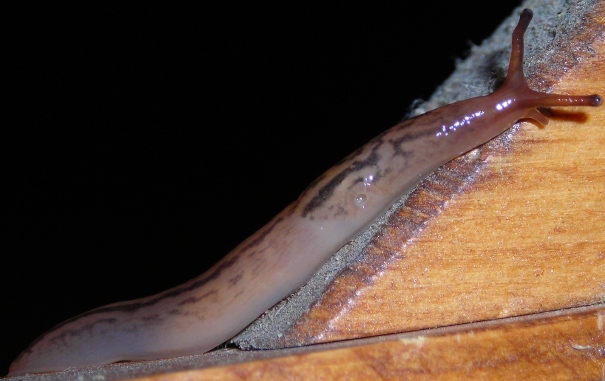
208	310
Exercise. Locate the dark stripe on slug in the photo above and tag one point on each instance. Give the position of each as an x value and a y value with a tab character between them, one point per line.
265	231
397	147
192	299
64	334
318	180
326	192
235	280
313	185
434	117
152	318
408	134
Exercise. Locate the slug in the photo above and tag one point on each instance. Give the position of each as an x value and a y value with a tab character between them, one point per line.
206	311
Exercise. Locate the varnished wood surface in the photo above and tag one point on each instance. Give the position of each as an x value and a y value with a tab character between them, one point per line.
568	345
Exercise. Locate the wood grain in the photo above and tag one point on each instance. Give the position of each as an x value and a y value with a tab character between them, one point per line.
563	346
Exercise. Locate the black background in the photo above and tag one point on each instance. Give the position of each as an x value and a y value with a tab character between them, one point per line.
145	142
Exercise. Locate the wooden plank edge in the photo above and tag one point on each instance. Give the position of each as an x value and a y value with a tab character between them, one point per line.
565	345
